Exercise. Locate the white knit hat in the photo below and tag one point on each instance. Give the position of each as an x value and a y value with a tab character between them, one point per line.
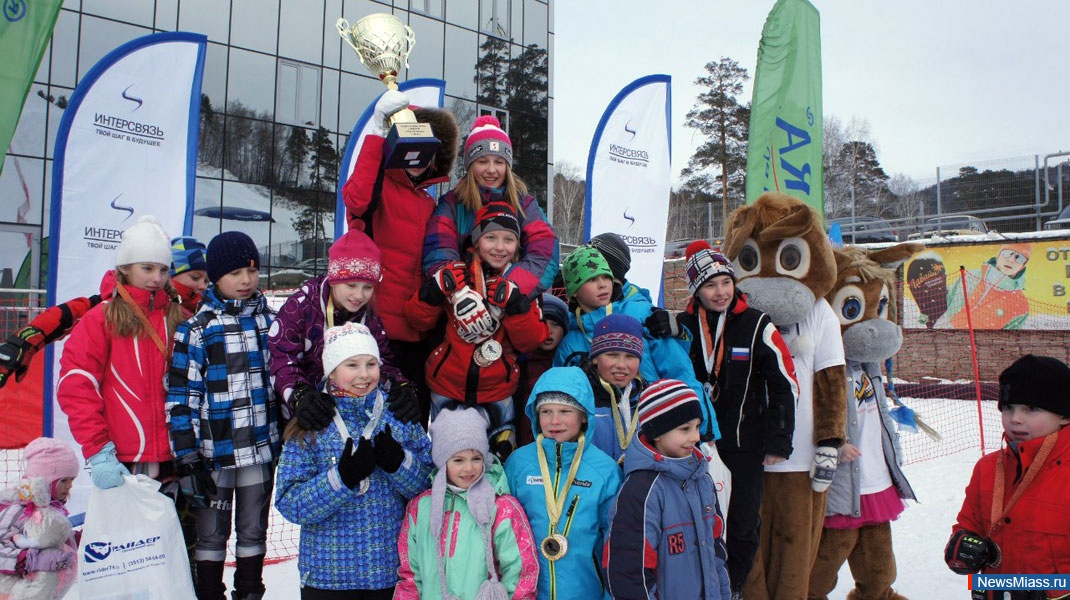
144	242
351	339
453	431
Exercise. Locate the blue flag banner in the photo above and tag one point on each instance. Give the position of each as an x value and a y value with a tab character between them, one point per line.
628	176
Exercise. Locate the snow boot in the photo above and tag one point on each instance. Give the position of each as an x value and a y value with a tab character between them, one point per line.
209	584
248	578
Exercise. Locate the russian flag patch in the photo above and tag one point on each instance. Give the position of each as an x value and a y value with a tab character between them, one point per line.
740	353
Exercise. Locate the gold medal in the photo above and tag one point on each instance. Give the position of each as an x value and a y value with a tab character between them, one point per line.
554	547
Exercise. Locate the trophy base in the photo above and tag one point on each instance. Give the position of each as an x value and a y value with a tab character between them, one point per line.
410	146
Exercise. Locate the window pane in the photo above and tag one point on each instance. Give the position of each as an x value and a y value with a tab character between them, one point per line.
249	197
247	150
464	13
167	15
431	8
308	96
100	37
426	57
209	194
132	11
210	134
255	24
55	113
64	51
299	34
461	59
329	100
29	137
286	100
357	94
214	80
210	17
332	42
21	187
494	18
252	84
535	23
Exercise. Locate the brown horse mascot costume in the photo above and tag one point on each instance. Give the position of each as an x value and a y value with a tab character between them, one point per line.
868	490
784	264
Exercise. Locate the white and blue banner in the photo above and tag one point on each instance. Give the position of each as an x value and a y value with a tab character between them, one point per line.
628	176
126	147
421	92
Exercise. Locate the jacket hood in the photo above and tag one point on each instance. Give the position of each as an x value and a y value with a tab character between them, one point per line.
444	126
641	456
107	284
253	305
495	474
570	380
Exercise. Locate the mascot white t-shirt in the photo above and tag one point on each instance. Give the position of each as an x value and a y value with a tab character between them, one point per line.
815	344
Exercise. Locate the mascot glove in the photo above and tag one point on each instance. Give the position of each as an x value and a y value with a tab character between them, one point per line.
50	559
967	552
17	352
506	295
451	277
823	469
313	409
663	323
474	321
105	468
404	402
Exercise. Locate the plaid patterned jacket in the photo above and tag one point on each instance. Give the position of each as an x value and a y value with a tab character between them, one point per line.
220	401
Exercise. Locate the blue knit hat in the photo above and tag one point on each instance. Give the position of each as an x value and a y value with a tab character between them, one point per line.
617	333
187	254
554	309
231	250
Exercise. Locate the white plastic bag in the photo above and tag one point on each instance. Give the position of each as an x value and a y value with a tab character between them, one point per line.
132	546
722	479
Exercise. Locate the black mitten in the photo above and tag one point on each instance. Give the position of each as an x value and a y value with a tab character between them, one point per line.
662	323
967	552
356	466
404	402
312	408
388	452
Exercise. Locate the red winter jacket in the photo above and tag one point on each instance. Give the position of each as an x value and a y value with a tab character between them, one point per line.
452	372
1035	536
112	388
398	227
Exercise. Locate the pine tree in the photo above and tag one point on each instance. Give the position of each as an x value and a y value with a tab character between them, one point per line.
297	151
719	165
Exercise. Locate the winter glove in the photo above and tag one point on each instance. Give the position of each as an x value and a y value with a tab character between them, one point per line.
355	466
196	482
50	559
404	402
474	321
663	323
967	552
506	295
389	103
823	469
312	408
105	468
430	294
388	452
451	277
17	352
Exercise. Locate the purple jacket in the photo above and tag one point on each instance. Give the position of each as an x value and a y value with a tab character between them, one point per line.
296	338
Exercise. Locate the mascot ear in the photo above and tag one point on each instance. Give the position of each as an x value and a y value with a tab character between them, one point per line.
843	261
892	257
798	222
740	224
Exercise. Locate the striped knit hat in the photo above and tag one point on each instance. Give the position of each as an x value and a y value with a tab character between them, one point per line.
187	254
487	138
665	405
616	252
617	333
704	264
495	216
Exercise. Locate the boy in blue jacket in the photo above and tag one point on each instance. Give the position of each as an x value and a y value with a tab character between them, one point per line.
591	288
565	485
665	532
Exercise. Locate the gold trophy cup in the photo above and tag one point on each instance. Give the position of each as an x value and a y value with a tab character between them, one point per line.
383	43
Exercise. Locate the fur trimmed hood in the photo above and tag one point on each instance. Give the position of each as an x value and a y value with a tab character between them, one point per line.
444	126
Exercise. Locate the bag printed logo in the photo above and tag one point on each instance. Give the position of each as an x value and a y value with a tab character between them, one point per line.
97	551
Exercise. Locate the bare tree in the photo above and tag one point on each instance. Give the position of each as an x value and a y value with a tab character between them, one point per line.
570	191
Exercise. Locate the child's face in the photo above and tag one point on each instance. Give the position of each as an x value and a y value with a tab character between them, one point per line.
489	171
357	374
352	295
193	280
497	248
595	293
1022	422
618	368
560	422
556	333
62	489
679	442
464	468
717	293
239	284
146	276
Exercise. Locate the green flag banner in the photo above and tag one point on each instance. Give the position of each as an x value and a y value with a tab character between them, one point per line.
786	128
25	28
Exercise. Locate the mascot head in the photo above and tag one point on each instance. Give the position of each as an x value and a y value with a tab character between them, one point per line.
864	300
782	257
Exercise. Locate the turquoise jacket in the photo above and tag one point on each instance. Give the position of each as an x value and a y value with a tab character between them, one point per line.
585	519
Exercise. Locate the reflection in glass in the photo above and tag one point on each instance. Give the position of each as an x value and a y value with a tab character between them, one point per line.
464	13
426	58
100	37
299	36
167	15
137	12
332	42
251	88
214	80
247	148
431	8
358	92
329	99
460	54
21	184
535	23
55	113
494	18
297	100
64	50
29	137
208	194
254	25
210	17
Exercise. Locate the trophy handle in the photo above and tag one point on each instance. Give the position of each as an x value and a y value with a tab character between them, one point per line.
342	26
410	37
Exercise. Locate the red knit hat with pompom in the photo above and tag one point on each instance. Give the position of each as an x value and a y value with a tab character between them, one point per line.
487	138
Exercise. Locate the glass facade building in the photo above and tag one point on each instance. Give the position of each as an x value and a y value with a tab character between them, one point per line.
281	93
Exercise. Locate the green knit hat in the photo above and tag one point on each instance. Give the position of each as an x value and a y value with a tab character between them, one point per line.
580	266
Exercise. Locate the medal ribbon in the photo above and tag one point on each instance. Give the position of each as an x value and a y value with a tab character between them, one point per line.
712	346
554	506
579	321
998	511
165	350
624	438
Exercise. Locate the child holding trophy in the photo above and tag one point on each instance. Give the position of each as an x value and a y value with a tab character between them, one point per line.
565	485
